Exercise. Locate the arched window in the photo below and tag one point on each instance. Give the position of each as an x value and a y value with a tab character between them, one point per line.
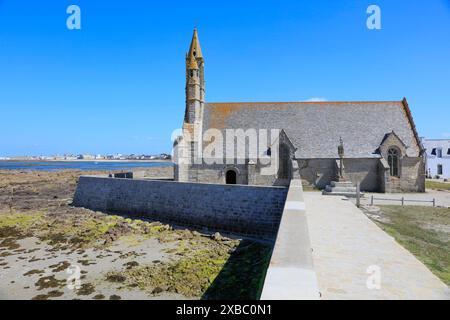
230	177
393	161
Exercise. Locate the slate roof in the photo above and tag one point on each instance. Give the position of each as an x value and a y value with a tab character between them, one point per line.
431	144
315	127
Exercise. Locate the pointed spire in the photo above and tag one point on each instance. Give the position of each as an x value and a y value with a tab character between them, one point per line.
192	63
195	49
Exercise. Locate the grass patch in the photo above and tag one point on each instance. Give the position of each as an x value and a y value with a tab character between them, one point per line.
424	231
436	185
83	230
18	225
19	220
308	188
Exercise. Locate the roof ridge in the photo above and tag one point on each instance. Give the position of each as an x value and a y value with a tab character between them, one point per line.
307	102
412	124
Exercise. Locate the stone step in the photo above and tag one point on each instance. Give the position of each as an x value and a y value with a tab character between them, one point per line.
341	184
340	189
345	194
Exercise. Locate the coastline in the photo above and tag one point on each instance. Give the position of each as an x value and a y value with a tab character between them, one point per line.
81	160
81	164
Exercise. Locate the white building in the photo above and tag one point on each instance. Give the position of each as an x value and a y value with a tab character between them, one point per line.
438	157
86	157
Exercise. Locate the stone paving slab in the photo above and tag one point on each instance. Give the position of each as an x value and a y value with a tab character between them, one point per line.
346	245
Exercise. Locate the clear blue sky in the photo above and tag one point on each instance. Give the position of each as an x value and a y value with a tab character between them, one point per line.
117	85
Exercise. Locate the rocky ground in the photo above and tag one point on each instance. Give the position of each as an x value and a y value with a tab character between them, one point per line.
51	250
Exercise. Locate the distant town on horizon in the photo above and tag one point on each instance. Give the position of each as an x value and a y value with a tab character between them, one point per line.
72	157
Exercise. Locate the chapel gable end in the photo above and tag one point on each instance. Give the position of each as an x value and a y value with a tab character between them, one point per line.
391	140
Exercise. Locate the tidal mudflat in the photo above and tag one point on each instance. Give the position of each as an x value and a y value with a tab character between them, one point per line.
46	245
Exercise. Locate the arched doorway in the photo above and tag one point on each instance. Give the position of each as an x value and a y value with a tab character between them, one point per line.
230	177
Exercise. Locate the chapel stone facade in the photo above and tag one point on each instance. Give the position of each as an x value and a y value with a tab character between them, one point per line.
383	150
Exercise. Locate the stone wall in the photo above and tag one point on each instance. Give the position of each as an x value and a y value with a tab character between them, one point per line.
163	172
256	176
245	210
372	175
320	172
251	174
317	172
412	178
291	274
364	171
215	173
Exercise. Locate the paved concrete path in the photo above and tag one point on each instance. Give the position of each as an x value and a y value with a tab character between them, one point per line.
346	244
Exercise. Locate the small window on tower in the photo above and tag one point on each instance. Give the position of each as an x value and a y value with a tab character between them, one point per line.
192	73
195	53
433	152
